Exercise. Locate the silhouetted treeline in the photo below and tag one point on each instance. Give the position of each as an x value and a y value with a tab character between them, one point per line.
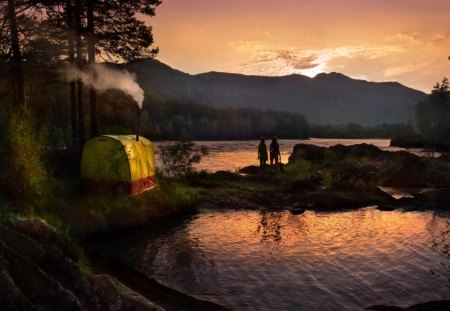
170	120
433	115
352	130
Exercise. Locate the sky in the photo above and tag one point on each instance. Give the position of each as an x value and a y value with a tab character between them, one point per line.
377	40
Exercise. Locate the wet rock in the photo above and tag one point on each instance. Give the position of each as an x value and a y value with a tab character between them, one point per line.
435	199
305	185
36	273
110	294
252	169
384	308
439	305
297	211
409	141
386	208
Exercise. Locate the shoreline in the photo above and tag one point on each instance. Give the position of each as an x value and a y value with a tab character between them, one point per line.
316	178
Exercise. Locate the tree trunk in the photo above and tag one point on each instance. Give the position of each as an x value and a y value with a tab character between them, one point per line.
91	60
73	84
79	43
17	73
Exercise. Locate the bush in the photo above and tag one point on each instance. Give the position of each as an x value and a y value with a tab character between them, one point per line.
299	170
178	158
23	174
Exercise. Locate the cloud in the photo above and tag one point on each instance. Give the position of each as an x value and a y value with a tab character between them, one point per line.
298	60
414	37
285	61
417	38
407	68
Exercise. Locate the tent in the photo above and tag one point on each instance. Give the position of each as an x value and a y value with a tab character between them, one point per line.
118	162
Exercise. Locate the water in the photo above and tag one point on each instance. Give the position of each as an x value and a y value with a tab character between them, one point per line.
233	155
259	260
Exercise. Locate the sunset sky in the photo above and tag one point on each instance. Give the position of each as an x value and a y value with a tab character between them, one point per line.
384	40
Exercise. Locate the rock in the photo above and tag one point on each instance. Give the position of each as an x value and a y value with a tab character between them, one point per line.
445	157
305	185
439	305
435	199
37	273
110	294
386	208
297	211
307	152
384	308
410	141
252	170
358	150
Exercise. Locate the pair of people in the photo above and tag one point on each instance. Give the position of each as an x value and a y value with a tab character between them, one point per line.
274	152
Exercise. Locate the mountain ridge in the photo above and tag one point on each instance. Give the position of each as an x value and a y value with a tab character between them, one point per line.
328	98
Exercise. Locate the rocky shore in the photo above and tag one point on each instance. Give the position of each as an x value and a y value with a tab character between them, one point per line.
335	178
41	270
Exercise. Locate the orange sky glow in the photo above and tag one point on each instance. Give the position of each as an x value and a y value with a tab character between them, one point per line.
385	40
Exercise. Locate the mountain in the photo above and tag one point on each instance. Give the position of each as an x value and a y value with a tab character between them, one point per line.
328	98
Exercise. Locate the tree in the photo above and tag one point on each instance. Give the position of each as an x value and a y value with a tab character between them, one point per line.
433	114
105	29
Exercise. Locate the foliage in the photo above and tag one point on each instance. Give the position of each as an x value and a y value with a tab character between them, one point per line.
352	130
433	114
299	170
178	158
88	213
23	174
166	120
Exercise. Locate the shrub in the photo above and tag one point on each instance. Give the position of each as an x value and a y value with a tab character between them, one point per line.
23	174
299	170
178	158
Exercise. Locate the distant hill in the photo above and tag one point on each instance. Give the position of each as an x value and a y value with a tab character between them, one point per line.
331	98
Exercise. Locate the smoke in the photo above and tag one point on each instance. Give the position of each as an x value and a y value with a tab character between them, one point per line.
102	78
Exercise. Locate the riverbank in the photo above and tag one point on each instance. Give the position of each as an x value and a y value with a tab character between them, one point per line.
43	269
329	179
317	179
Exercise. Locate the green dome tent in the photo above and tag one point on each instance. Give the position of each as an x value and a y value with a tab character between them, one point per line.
118	162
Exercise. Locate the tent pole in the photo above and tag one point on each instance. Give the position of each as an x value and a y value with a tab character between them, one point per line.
138	124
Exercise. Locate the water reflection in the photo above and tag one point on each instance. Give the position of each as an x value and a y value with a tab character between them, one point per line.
439	229
269	227
314	261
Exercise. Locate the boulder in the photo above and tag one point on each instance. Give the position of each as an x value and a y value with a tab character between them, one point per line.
307	152
36	273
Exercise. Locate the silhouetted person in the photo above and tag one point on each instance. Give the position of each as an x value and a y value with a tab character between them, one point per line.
274	151
262	152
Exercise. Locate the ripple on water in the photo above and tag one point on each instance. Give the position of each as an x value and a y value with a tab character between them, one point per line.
252	260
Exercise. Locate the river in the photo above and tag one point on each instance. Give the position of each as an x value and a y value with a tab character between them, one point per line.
233	155
267	260
260	260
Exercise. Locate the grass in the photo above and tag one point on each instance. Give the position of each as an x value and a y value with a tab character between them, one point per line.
89	213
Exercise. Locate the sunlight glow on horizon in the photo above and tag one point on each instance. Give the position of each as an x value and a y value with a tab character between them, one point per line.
404	40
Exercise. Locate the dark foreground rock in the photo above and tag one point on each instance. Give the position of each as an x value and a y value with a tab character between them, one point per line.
440	305
39	270
375	166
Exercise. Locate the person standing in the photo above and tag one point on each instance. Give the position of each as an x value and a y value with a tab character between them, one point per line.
274	151
262	152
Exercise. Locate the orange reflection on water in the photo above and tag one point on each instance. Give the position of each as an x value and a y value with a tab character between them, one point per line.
266	260
359	234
